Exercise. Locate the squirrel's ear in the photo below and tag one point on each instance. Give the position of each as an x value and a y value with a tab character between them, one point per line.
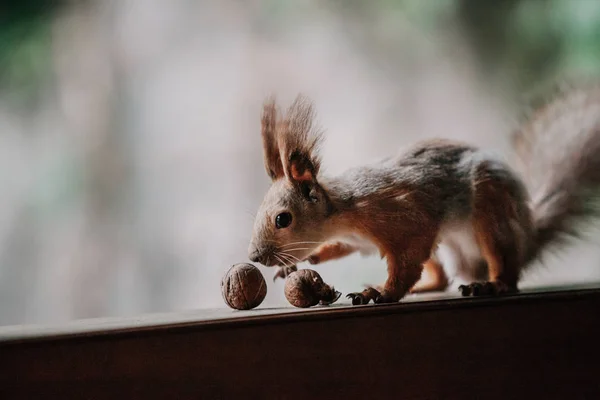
271	154
301	168
299	139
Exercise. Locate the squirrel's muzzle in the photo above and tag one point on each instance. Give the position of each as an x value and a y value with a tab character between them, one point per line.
262	255
254	256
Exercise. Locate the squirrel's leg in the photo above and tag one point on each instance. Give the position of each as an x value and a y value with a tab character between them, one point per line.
499	222
331	251
403	274
405	266
326	252
434	278
503	272
502	265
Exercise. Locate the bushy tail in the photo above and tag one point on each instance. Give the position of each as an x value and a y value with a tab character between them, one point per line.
559	153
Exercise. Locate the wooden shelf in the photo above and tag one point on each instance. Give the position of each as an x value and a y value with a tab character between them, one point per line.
540	344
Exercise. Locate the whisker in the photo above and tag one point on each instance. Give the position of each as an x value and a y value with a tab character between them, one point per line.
288	260
280	260
299	248
291	256
294	243
292	260
253	212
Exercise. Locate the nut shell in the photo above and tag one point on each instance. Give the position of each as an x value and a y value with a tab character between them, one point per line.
243	287
305	288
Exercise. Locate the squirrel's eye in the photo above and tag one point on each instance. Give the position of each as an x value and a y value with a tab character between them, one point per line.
283	220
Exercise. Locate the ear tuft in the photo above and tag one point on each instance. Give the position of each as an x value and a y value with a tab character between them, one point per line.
299	139
271	154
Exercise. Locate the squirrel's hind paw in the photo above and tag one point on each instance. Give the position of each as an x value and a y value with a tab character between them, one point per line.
478	289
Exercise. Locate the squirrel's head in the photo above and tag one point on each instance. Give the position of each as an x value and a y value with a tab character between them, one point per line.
290	222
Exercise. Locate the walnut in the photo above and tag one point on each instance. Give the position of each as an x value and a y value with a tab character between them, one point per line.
305	288
243	287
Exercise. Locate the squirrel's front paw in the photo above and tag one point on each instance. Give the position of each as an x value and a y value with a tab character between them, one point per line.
364	297
378	297
284	271
313	259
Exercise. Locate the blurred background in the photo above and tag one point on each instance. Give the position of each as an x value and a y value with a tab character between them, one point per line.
130	153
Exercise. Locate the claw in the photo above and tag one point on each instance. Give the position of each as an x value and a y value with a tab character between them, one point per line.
357	299
477	289
335	298
489	288
383	299
283	272
278	274
465	290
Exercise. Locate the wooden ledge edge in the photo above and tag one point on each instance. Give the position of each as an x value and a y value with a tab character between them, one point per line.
332	312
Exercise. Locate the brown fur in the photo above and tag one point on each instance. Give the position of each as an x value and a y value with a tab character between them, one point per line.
408	205
272	158
331	251
434	278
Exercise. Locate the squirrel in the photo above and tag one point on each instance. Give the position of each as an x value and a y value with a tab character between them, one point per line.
434	194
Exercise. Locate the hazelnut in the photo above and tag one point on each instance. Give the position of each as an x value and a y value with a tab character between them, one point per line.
243	287
305	288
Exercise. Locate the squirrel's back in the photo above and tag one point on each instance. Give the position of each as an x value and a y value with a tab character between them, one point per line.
440	174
